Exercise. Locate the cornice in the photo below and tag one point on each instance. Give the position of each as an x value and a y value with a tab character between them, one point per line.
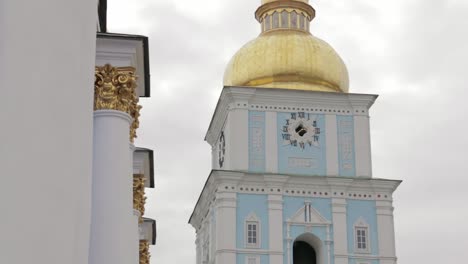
284	100
220	182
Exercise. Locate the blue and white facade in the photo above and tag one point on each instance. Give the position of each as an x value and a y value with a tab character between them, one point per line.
293	166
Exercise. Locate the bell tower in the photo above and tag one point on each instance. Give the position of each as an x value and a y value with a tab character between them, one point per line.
292	174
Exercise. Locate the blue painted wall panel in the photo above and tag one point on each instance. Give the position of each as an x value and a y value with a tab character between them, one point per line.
346	149
246	204
366	210
256	141
294	159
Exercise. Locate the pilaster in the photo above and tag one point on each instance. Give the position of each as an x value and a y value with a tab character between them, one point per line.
362	146
275	229
226	204
386	232
237	136
340	236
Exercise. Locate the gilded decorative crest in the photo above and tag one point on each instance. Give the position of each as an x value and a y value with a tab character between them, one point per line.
115	89
144	252
139	198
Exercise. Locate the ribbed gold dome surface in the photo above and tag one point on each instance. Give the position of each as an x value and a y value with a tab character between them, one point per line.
287	58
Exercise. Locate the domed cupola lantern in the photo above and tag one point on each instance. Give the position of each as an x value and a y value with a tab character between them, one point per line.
285	54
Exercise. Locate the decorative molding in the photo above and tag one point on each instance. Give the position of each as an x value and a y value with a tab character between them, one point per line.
144	252
314	218
115	89
221	183
139	198
278	100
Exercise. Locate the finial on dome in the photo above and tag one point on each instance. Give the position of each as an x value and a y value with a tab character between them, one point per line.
286	55
285	14
268	1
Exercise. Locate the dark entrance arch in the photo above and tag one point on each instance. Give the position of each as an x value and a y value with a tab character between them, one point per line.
303	253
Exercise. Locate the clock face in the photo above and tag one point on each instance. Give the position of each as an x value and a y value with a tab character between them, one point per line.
221	149
301	131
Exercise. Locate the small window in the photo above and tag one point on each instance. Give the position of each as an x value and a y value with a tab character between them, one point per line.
294	19
267	22
252	233
302	22
275	20
284	19
361	236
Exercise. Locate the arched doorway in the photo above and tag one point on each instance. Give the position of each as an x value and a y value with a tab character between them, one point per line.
307	249
303	253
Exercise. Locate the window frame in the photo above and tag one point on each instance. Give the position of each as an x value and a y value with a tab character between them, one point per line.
361	225
252	220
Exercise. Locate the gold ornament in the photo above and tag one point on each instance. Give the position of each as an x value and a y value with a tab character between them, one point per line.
144	252
139	198
115	89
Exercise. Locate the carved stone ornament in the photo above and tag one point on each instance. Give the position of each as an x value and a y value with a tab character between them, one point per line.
139	198
144	252
115	89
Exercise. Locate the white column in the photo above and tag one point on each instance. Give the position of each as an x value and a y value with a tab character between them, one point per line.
112	205
340	235
362	146
275	229
226	203
331	139
386	232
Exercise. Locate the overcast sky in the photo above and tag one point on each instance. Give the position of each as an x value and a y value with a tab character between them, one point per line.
413	53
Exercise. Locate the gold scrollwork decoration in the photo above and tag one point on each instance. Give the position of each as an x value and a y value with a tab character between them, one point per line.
144	252
139	198
115	89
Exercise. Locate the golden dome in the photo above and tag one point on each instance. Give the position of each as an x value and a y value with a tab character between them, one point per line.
286	55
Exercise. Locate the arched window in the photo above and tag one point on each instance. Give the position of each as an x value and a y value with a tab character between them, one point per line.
294	19
284	19
361	236
267	22
302	22
275	20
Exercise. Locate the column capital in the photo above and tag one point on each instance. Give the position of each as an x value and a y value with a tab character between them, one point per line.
115	89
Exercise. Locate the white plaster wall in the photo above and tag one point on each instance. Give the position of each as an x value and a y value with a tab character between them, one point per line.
47	51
